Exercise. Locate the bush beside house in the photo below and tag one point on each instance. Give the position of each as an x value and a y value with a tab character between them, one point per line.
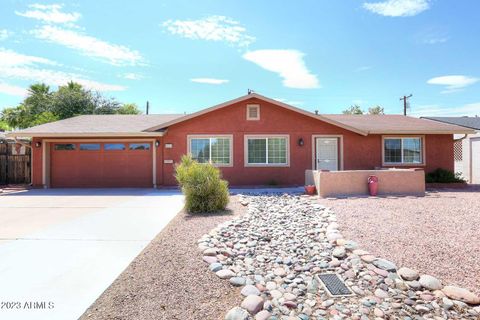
201	183
443	176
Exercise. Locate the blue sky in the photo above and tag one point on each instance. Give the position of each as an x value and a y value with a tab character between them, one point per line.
186	55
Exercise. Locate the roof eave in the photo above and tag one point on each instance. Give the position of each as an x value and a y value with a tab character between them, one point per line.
82	134
466	131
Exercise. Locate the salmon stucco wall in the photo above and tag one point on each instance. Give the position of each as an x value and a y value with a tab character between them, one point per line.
359	152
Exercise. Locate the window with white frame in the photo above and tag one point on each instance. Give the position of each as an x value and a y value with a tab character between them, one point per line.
403	150
253	112
267	151
215	150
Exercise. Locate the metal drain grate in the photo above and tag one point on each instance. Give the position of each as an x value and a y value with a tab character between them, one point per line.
334	285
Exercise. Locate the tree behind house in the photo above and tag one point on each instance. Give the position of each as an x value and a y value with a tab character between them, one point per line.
42	105
356	109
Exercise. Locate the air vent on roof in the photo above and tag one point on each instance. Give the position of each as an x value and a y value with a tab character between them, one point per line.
253	112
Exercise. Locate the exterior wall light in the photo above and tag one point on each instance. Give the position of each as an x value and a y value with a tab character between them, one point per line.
301	142
38	144
157	143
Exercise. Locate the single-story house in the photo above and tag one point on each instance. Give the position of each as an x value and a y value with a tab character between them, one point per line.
466	147
255	140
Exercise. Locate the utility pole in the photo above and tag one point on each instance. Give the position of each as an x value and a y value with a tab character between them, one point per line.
148	107
405	103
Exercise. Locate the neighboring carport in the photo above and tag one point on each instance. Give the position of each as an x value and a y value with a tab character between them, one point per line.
54	240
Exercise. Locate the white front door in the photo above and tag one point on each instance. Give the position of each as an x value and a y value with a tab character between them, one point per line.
326	154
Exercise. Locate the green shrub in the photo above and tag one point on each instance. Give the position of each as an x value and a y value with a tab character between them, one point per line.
443	176
203	187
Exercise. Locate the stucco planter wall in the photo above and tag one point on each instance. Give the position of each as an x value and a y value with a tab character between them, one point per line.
354	182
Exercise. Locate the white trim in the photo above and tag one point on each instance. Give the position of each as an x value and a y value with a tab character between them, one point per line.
252	106
405	164
340	147
212	136
265	136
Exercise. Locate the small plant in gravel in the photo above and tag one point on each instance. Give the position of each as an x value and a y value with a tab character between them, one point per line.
202	184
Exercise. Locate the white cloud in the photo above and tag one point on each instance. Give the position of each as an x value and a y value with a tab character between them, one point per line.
209	80
288	64
471	109
290	102
114	54
397	8
4	34
12	90
12	58
14	65
213	28
131	76
49	13
435	40
453	83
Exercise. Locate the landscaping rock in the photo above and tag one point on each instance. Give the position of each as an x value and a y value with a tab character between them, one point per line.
407	274
461	294
249	290
283	241
385	265
253	304
263	315
215	267
237	281
430	283
225	274
237	313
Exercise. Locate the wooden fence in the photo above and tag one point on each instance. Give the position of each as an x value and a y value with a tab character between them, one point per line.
15	163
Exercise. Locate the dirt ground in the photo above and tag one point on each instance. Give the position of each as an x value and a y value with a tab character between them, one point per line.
438	234
169	280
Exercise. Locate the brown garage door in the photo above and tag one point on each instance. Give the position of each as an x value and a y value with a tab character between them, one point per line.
101	164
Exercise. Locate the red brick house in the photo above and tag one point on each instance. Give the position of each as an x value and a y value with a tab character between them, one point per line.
253	139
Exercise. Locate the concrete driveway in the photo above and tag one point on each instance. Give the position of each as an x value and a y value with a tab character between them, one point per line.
60	249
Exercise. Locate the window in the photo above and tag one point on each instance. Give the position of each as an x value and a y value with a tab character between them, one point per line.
215	150
253	112
267	151
139	146
403	150
90	146
64	146
113	146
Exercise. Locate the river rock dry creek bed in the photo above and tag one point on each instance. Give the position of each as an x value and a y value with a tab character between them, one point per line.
276	250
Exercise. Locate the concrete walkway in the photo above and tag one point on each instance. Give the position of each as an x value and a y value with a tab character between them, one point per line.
60	249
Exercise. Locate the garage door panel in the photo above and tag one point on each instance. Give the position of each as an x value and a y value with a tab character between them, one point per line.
102	168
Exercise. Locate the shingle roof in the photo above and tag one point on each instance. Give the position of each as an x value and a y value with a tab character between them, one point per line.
397	124
100	125
469	122
149	125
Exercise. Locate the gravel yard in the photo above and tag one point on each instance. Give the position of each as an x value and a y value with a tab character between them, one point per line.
437	234
277	251
169	280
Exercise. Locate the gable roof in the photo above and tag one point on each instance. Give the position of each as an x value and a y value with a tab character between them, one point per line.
395	124
260	97
99	125
468	122
155	124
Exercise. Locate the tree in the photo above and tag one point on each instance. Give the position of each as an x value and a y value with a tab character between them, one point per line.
355	109
129	108
42	105
376	110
